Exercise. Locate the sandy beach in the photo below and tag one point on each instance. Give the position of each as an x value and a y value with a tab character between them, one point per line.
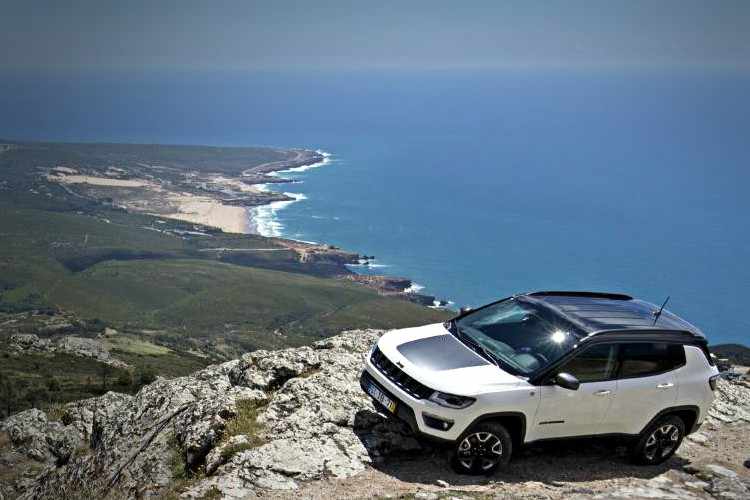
209	212
178	205
241	204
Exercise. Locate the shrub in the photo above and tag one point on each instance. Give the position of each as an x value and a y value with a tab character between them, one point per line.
124	379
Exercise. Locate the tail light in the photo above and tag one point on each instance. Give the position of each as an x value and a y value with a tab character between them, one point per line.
713	381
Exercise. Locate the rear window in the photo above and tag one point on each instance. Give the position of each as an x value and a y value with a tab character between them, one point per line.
643	359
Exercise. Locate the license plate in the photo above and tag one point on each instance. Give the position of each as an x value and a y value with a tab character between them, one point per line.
376	393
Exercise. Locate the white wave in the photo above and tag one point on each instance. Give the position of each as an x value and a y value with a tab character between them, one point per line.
325	161
265	217
414	288
305	241
436	304
368	266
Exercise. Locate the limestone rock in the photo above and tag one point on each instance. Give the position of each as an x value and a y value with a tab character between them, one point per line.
77	346
26	342
310	420
33	435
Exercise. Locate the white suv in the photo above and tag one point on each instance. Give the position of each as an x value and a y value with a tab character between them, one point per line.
546	365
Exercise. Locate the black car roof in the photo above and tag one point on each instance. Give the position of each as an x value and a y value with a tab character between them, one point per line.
598	313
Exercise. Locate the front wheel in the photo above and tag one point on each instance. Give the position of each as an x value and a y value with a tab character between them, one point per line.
482	449
659	441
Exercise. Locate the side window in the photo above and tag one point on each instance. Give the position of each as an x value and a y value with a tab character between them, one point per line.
642	360
595	364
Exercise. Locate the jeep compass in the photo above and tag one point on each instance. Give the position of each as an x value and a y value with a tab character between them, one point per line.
546	365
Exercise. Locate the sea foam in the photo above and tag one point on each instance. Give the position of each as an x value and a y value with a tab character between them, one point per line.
414	288
264	218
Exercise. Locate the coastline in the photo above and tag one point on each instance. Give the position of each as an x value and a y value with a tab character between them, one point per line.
239	200
262	218
262	221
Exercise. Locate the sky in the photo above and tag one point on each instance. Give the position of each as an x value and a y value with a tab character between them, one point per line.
189	35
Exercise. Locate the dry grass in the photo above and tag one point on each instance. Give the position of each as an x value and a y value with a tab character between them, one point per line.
246	421
56	412
245	424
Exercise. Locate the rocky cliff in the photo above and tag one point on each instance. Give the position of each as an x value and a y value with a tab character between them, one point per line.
295	423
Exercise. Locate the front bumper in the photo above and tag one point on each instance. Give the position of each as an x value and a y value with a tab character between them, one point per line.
415	412
403	411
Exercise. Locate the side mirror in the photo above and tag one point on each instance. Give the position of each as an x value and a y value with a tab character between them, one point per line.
464	310
567	381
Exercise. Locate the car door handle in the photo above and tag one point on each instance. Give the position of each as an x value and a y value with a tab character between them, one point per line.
665	385
603	392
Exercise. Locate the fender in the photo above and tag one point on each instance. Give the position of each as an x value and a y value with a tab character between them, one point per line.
495	415
672	409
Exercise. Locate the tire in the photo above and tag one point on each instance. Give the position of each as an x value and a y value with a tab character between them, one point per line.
482	449
659	441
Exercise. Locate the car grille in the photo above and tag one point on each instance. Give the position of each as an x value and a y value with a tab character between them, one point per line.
398	376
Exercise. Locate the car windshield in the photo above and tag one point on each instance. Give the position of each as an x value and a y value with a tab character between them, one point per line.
518	334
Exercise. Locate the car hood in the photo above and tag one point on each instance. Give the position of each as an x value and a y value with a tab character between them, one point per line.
436	358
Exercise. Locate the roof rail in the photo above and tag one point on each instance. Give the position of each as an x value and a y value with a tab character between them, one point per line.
646	330
593	295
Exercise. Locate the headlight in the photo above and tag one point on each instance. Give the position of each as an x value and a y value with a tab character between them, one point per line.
451	400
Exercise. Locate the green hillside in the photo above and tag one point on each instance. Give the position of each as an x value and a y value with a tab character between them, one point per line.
175	300
736	353
148	280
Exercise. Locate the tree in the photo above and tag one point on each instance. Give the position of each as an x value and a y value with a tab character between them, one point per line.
125	379
53	385
8	395
104	372
36	394
146	375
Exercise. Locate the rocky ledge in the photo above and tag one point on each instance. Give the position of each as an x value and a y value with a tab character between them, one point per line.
274	422
78	346
303	412
403	288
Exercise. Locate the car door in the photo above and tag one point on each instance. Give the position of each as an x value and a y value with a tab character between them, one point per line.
564	412
646	384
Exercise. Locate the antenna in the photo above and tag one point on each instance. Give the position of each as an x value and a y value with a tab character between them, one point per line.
657	314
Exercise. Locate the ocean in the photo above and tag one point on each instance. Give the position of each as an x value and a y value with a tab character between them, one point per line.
475	185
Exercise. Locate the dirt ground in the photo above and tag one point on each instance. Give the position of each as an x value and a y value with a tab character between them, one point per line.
545	471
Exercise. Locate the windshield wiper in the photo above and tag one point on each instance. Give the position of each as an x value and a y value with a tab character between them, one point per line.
488	354
476	346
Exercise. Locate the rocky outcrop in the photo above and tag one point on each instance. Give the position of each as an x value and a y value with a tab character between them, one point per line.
33	435
318	423
275	420
26	342
77	346
402	288
313	421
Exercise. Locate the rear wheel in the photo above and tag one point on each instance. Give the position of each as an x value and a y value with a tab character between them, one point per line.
659	441
482	449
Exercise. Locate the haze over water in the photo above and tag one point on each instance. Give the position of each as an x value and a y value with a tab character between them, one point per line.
475	184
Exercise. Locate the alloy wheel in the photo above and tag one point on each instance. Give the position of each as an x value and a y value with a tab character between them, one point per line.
661	442
481	450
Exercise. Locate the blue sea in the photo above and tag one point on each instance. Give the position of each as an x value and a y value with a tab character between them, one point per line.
476	185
